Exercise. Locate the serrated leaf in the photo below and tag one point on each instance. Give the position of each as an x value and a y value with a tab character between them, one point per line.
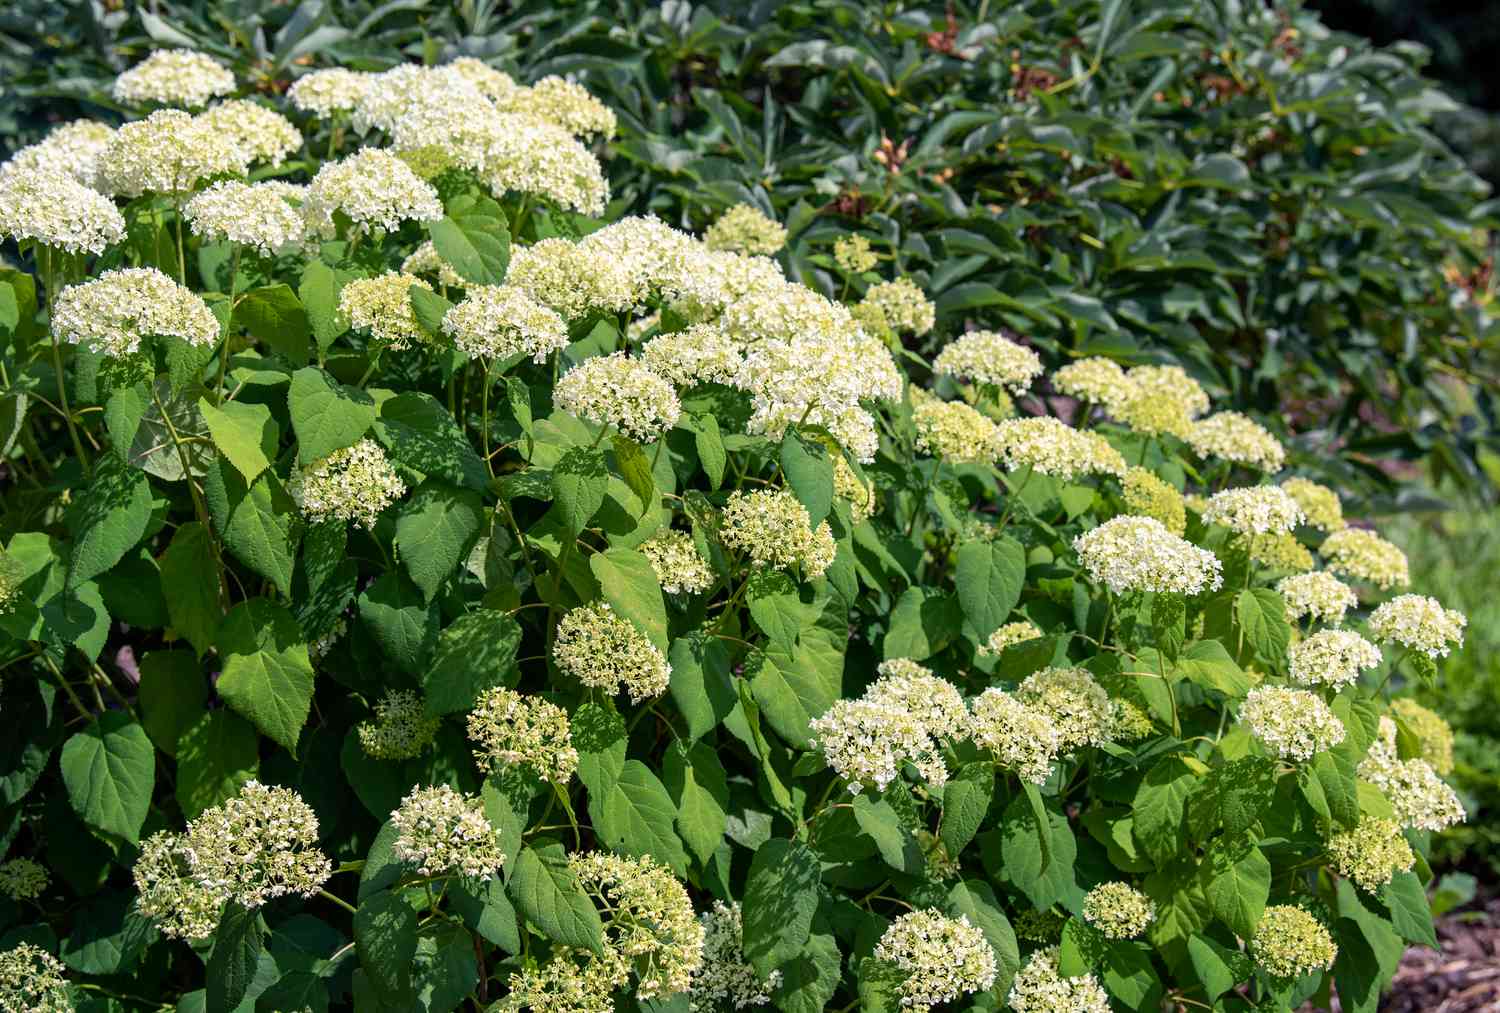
258	522
475	240
110	518
215	757
173	691
267	676
1237	883
781	896
234	959
275	315
628	582
385	937
404	624
109	769
809	472
326	415
244	433
475	653
1261	614
319	292
638	817
579	480
435	531
191	570
989	577
547	893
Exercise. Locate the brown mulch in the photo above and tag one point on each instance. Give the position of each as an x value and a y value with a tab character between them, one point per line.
1462	977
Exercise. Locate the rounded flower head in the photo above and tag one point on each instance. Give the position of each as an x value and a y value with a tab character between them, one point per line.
1040	988
1254	510
31	981
372	188
11	576
1293	724
1420	623
939	958
726	977
1364	555
905	307
168	152
389	95
495	85
1331	658
1148	496
953	431
744	228
1289	943
23	879
266	217
402	727
849	487
902	718
1319	596
1169	384
1140	554
1279	551
1434	735
987	357
509	729
619	391
263	134
1419	798
425	260
1052	447
352	484
382	306
54	209
1022	738
73	149
852	253
650	920
1096	379
112	313
702	353
174	77
532	156
325	92
567	105
1233	437
606	651
773	528
675	560
168	893
933	701
1320	503
1118	910
1077	705
1008	636
572	278
255	847
498	321
444	832
1371	853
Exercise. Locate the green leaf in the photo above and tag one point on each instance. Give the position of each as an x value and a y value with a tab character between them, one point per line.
267	676
234	959
989	577
1218	967
244	433
275	315
435	531
109	769
810	979
428	308
1206	664
897	847
975	899
486	909
923	623
1237	883
404	624
215	757
548	894
1334	774
710	446
319	293
190	569
966	800
1233	796
635	468
298	990
696	780
809	471
326	415
1040	869
172	694
1159	806
421	435
258	522
638	817
474	239
385	937
1405	899
110	518
781	896
701	686
579	480
629	584
474	654
1262	616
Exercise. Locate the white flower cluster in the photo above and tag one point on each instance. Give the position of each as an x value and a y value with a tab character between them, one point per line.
497	321
174	77
1331	658
1078	706
773	528
1118	910
261	134
953	431
902	305
1052	447
1419	798
702	353
649	921
513	729
23	879
1022	738
1289	942
746	229
1293	724
267	217
372	188
1366	556
620	391
31	981
114	312
1320	503
1419	623
938	958
574	279
352	484
1095	379
402	728
382	306
1040	988
1318	595
1254	510
676	562
55	210
329	91
445	832
987	357
1140	554
168	152
1231	436
1009	635
73	149
1371	853
606	651
725	976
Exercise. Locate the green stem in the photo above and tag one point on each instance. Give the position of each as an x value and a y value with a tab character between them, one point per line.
234	274
57	366
484	416
181	251
341	902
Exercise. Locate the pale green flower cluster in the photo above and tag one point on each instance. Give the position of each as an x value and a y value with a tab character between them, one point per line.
1169	384
52	208
649	925
1096	380
1132	722
495	85
1231	436
1419	623
373	189
574	980
179	77
573	279
1364	555
987	357
1331	658
1022	738
849	487
352	484
1118	910
1140	554
1148	496
702	353
1418	797
382	306
113	312
266	217
953	431
1279	550
73	149
772	528
533	156
1434	735
745	229
726	977
1050	446
31	981
904	306
402	728
10	582
1292	724
938	958
1254	510
23	879
1078	706
852	253
263	134
1320	503
1040	988
606	651
1289	942
1008	636
168	152
510	729
497	321
326	92
444	832
564	104
675	560
1371	853
620	391
1319	596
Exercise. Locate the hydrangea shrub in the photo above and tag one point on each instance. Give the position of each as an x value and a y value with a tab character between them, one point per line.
422	591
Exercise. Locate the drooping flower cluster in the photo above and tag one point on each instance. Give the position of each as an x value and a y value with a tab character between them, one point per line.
1118	910
1008	636
1148	496
1140	554
1052	447
1434	735
726	977
267	217
73	149
1371	853
1366	556
178	77
772	528
617	390
1078	706
497	321
1318	502
939	958
31	981
1419	798
23	879
372	188
168	152
1022	738
444	832
1419	623
352	484
1289	942
903	306
987	357
606	651
745	229
1231	436
113	312
1254	510
402	728
675	560
1040	988
55	210
263	134
1319	596
510	729
1331	658
1293	724
650	925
